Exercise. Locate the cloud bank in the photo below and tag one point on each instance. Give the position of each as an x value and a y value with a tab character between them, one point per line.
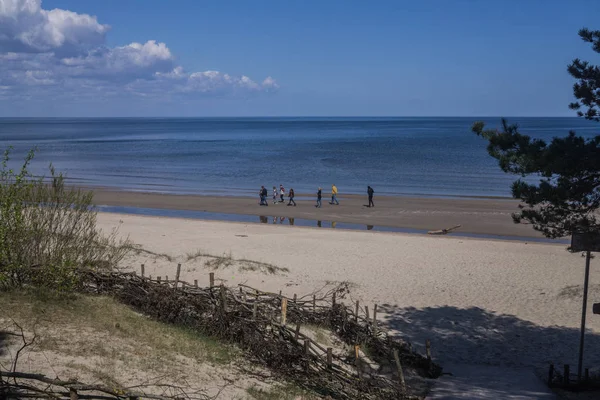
61	52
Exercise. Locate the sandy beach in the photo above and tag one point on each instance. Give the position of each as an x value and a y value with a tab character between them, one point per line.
486	302
484	216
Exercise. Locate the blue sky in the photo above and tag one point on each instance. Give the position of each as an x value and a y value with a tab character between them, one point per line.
287	58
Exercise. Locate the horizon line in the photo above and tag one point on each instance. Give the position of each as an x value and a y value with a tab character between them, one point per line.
285	116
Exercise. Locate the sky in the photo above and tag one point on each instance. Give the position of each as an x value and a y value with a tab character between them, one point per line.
84	58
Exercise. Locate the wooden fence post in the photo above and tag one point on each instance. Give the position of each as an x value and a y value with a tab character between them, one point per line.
566	374
223	299
357	360
356	311
307	353
375	319
283	311
158	279
143	270
195	282
297	334
314	303
367	313
211	279
333	299
177	275
400	373
550	375
428	349
295	298
329	357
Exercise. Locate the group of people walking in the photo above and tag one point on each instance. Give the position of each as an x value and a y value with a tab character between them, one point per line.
279	196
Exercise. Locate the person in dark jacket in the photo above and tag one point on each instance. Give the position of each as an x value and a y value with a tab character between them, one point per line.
263	196
319	196
291	196
370	192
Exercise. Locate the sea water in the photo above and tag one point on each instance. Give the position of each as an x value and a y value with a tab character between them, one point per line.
235	156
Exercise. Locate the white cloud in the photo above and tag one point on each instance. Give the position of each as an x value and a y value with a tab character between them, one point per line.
61	52
26	27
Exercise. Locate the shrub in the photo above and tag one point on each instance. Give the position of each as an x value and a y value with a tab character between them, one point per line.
48	231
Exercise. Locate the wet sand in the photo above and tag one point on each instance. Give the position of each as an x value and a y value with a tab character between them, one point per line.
479	216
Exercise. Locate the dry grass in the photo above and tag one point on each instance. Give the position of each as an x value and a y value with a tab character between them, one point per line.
104	328
138	249
284	392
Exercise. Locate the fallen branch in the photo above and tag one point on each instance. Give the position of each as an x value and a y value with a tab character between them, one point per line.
443	231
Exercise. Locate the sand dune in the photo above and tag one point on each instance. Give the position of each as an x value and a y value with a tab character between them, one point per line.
479	301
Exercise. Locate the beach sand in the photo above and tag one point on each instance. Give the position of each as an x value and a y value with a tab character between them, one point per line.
485	302
476	216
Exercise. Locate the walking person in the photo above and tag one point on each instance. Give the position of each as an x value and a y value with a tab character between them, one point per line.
274	195
319	199
263	196
281	193
291	196
370	192
334	192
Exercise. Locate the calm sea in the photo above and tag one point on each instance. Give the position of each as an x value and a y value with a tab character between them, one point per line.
408	156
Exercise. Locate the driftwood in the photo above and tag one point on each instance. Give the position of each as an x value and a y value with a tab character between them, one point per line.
443	231
20	385
252	319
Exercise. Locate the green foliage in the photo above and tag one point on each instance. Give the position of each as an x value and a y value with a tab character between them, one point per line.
587	87
48	231
568	194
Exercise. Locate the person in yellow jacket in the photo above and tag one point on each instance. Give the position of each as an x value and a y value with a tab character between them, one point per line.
334	193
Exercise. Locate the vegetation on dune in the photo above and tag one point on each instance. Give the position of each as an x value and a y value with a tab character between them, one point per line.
567	197
47	230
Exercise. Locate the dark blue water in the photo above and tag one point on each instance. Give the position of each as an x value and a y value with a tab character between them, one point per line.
409	156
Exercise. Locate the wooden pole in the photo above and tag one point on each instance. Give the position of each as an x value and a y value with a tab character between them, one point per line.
375	319
329	357
297	333
211	279
177	275
195	282
314	303
566	374
586	281
143	268
428	349
367	313
333	299
223	299
400	373
357	360
356	311
550	375
307	353
283	311
158	279
295	298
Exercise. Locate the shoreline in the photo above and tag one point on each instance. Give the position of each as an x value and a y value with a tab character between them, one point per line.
476	216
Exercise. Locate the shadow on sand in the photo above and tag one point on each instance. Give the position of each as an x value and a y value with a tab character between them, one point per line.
477	336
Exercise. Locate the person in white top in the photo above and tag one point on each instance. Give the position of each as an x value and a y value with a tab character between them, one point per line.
281	193
274	195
